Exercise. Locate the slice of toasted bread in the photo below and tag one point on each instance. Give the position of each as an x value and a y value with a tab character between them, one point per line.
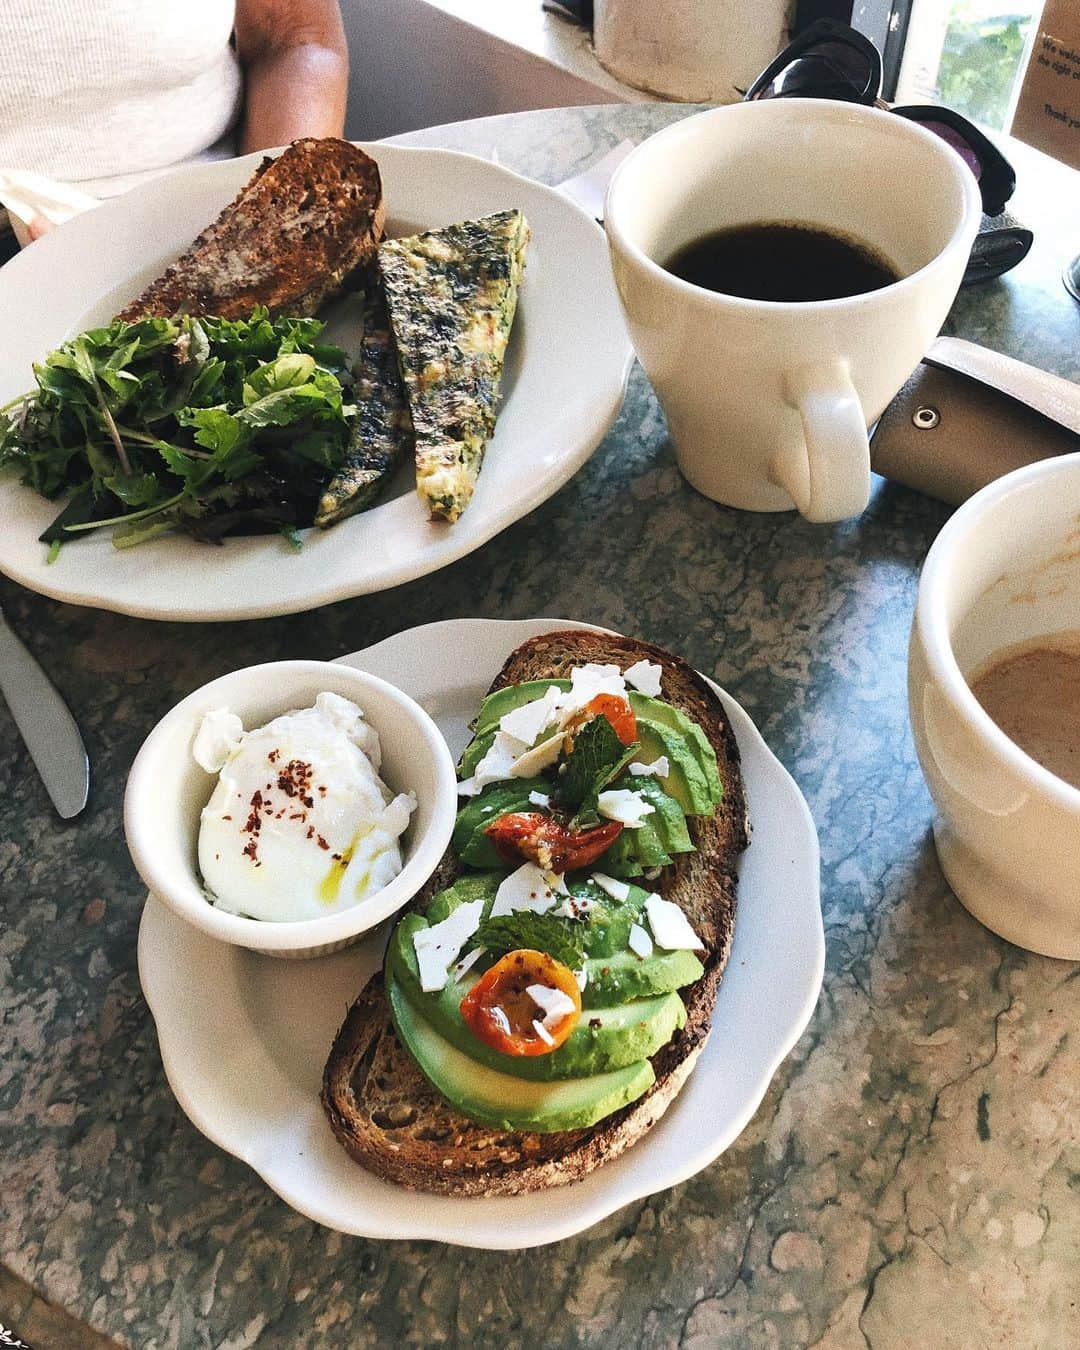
395	1123
289	240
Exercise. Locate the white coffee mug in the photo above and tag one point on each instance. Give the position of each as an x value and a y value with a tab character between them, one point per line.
767	402
1004	571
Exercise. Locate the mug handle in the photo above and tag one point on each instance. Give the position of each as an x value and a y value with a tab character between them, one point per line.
828	477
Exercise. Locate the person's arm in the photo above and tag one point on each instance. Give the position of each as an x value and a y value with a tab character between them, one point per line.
296	70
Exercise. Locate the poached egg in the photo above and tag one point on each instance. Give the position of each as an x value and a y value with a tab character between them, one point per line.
300	824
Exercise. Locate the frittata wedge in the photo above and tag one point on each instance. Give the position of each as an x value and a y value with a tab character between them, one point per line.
381	433
452	295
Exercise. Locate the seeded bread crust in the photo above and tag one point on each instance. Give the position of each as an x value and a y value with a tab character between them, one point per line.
297	230
387	1115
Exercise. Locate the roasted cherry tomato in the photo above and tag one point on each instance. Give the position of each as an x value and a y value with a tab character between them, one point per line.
542	840
616	709
499	1011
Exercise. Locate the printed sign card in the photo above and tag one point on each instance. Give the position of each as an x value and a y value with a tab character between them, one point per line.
1048	108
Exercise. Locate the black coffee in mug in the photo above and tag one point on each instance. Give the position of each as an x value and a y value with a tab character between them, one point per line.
782	260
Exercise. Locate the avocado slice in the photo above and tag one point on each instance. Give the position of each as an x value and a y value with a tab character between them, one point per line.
669	819
656	710
604	1038
495	707
506	1102
469	840
635	851
626	976
621	859
686	781
473	886
474	753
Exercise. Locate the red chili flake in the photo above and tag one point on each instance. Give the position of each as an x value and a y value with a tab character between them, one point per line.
226	817
274	755
322	789
251	850
253	824
294	779
298	815
310	832
322	842
336	857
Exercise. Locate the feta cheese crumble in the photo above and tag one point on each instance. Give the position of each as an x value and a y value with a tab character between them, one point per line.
529	888
618	890
670	927
553	1003
623	805
639	942
438	945
645	677
659	768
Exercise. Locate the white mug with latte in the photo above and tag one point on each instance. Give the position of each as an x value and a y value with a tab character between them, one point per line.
768	400
994	691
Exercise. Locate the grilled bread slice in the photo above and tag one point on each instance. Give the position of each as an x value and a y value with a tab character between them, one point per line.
388	1116
290	239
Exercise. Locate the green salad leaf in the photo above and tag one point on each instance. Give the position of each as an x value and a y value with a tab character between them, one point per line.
536	932
209	426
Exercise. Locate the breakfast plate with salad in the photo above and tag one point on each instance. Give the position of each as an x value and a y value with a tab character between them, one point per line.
621	943
257	386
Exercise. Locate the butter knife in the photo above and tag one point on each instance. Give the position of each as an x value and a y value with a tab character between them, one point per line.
46	725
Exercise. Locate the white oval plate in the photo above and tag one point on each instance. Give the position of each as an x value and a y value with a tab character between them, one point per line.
244	1037
567	366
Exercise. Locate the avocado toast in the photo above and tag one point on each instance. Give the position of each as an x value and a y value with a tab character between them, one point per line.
512	1123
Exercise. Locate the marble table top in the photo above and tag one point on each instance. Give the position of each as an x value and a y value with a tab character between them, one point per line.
912	1175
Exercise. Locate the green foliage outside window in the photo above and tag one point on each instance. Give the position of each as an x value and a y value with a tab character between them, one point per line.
980	62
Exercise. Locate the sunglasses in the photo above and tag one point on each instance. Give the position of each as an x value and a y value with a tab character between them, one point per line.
829	59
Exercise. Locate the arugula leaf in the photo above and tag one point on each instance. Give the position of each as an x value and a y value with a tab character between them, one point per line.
536	932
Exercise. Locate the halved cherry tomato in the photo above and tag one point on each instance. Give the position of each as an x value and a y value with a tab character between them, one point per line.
542	840
616	709
499	1011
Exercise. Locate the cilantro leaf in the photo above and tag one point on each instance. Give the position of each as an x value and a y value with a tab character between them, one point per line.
134	489
536	932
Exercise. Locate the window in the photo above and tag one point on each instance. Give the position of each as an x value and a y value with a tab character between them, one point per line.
967	54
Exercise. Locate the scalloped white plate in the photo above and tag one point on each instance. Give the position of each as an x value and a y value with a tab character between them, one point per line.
567	366
244	1037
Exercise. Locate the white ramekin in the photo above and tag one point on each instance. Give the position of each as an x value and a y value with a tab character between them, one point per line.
167	790
1005	569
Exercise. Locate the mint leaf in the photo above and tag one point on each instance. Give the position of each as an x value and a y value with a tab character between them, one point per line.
596	758
537	932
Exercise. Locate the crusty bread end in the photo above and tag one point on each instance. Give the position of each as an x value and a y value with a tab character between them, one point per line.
291	238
